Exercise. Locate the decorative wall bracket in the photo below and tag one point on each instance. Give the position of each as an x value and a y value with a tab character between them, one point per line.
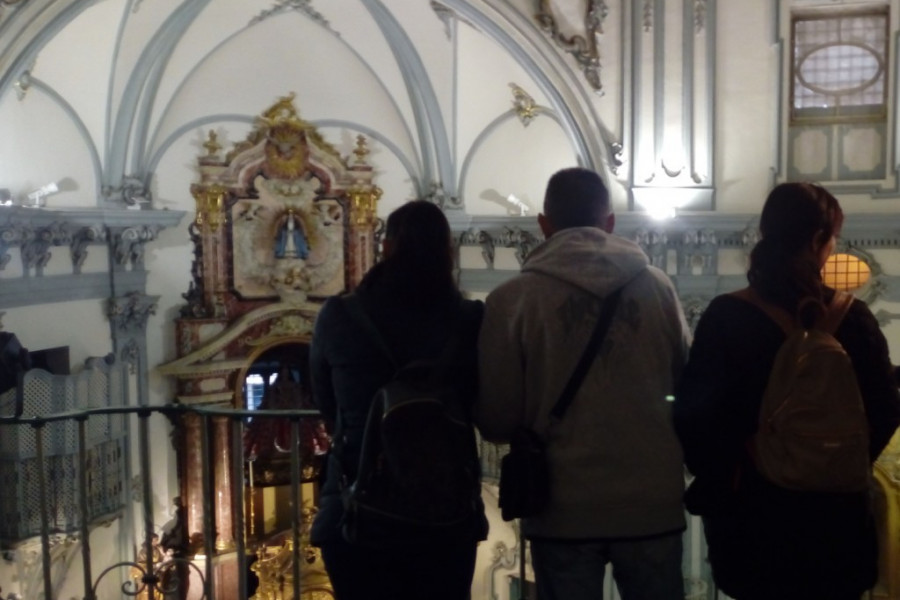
582	46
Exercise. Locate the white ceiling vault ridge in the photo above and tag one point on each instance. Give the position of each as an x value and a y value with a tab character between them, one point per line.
401	75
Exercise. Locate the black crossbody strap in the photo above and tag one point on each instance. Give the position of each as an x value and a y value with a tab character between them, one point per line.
607	310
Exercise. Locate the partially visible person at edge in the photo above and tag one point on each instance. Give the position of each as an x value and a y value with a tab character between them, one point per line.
412	298
616	470
767	542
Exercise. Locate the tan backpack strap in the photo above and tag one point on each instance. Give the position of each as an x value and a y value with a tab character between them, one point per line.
835	312
782	317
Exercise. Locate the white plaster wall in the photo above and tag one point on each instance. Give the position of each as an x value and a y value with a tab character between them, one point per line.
39	145
747	72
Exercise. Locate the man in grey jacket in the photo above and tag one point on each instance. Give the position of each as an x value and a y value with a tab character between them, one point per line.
615	464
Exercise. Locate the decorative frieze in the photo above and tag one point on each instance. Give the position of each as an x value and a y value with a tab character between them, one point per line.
128	244
83	238
689	248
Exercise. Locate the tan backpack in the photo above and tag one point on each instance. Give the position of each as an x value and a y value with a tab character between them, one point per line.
813	433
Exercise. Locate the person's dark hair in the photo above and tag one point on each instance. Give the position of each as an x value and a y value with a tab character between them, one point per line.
576	197
784	268
420	263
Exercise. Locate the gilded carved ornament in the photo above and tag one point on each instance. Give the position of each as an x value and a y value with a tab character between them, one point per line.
363	196
286	136
364	203
524	105
212	144
274	566
194	363
210	201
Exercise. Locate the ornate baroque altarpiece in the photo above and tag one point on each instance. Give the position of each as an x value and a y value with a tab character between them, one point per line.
282	222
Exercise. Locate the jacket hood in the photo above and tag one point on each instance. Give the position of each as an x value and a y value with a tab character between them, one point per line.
589	258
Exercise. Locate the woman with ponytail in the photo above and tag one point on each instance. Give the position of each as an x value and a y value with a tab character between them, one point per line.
766	541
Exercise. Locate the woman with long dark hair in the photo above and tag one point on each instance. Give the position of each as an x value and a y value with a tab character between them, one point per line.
767	541
412	299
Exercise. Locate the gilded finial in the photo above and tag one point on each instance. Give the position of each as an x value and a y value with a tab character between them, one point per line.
212	144
282	111
362	149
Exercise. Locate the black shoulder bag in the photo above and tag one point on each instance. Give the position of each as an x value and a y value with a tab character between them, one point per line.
524	475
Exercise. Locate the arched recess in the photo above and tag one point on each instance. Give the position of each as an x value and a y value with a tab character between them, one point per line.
536	150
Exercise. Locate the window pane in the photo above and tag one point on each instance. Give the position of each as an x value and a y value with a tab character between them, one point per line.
839	66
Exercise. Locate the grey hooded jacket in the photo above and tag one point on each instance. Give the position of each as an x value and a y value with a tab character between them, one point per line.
615	462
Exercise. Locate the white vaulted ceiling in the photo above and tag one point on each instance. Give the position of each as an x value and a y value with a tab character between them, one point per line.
113	92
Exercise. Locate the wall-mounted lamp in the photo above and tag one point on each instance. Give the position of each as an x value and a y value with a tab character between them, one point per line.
36	198
517	204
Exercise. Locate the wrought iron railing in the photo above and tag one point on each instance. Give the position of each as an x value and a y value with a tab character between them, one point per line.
153	575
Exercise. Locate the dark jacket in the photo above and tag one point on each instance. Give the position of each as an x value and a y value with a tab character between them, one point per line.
347	368
765	541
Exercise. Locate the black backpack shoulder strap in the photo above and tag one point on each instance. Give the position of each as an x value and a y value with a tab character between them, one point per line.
780	316
355	308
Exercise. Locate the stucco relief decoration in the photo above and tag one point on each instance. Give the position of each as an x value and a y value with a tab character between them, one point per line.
129	244
655	246
83	238
749	236
445	15
23	83
647	13
130	355
700	252
36	248
437	195
131	192
131	311
560	19
479	237
302	6
693	307
11	236
699	15
524	105
523	242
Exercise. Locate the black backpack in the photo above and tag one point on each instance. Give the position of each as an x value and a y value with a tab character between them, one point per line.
418	475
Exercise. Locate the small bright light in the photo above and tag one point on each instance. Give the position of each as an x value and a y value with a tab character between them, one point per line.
661	212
